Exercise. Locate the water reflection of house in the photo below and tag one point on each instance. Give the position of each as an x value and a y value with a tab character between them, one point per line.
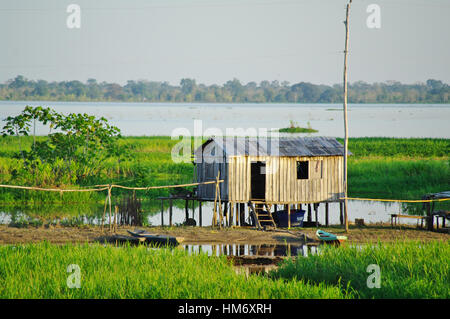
266	172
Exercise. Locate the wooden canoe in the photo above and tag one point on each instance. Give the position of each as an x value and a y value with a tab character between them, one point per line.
158	240
329	237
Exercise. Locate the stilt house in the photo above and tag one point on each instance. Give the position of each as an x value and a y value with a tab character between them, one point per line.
271	170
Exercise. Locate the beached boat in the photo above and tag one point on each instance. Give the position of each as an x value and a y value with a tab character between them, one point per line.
329	237
156	239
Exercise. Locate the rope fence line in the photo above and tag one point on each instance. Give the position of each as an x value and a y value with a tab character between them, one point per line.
109	188
166	186
217	199
54	189
106	187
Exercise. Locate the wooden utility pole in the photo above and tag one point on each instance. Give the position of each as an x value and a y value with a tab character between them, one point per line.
345	115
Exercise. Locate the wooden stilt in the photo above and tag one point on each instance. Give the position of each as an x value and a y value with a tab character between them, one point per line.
289	216
326	213
214	221
226	221
231	213
162	212
110	210
116	216
170	211
341	212
104	211
309	213
200	212
316	211
220	201
186	208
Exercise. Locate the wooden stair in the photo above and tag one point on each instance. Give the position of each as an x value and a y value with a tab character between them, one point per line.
263	218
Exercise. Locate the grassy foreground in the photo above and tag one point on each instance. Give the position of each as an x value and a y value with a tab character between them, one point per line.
408	270
40	271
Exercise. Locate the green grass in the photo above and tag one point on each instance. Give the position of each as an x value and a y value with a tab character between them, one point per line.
40	271
294	128
397	178
405	148
297	129
408	269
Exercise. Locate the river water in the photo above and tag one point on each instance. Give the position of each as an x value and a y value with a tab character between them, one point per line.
389	120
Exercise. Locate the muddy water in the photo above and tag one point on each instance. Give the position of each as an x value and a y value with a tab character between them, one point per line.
254	259
249	250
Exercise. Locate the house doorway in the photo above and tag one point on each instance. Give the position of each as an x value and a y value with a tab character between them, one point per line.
258	180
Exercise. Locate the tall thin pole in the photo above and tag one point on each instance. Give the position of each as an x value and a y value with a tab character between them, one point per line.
345	114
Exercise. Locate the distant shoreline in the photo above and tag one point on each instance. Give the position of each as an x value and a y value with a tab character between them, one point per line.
233	91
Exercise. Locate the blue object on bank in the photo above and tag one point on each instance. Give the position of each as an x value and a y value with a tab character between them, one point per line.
297	216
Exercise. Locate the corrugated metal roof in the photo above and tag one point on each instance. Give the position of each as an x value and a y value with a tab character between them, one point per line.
283	146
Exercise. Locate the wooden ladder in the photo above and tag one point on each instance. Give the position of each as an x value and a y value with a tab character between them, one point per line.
263	218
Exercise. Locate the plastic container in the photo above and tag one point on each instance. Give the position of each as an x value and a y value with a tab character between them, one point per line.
297	216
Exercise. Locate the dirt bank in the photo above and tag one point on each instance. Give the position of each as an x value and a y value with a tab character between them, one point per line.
12	235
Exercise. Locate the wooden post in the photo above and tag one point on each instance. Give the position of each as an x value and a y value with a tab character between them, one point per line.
186	208
116	213
289	216
226	215
326	213
237	214
309	213
200	212
341	212
345	113
215	200
104	210
109	203
162	212
215	211
170	212
220	201
430	218
231	213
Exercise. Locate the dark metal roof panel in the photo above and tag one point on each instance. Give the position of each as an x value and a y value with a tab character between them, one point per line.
283	146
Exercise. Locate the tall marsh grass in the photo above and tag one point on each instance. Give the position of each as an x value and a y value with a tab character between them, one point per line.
397	179
408	269
40	271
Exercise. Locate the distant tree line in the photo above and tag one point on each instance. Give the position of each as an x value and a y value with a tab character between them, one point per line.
20	88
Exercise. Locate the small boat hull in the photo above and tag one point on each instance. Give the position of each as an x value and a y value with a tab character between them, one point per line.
329	237
157	240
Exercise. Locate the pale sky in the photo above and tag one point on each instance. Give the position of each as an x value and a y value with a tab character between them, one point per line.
217	40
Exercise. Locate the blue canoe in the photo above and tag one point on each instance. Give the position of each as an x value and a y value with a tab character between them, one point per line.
329	237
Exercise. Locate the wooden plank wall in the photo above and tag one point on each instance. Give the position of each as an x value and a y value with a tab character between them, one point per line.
282	185
207	171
